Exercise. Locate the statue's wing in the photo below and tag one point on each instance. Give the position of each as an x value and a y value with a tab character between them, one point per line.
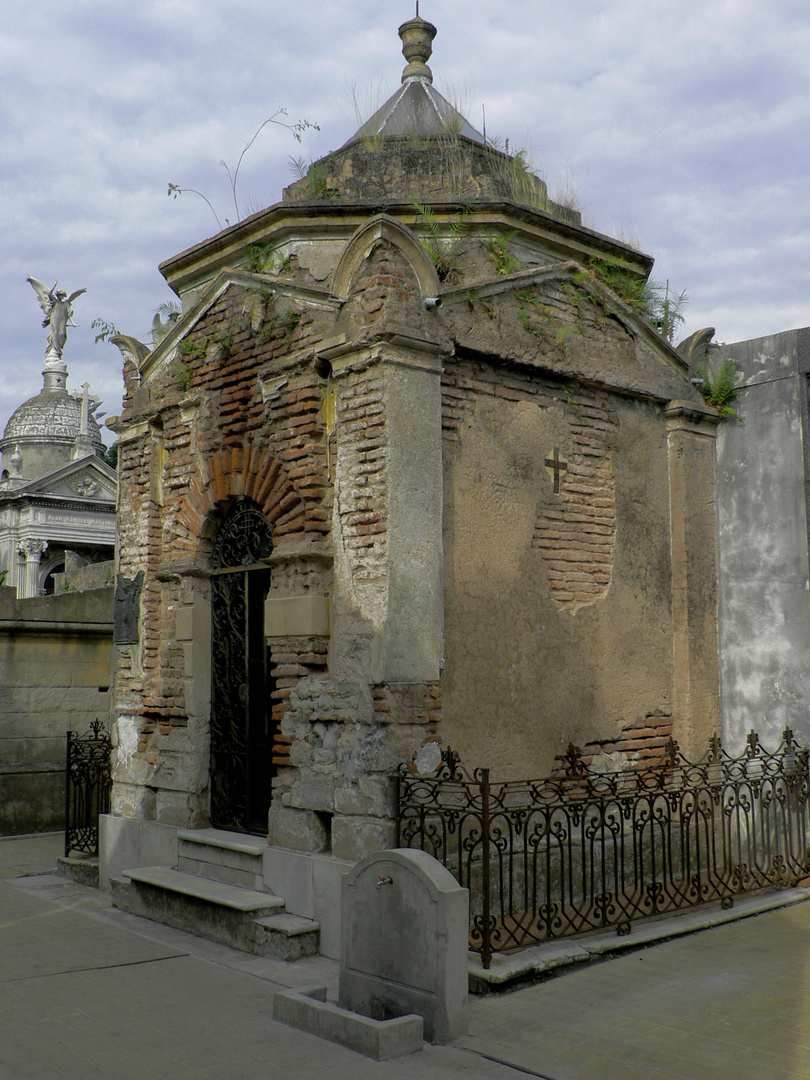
73	295
43	294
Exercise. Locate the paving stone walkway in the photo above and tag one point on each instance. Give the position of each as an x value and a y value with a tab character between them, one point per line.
87	992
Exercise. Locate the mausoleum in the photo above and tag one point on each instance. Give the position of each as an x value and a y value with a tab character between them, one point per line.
57	494
411	467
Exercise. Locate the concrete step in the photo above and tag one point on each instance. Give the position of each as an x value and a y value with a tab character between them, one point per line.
245	919
81	869
287	936
206	889
232	858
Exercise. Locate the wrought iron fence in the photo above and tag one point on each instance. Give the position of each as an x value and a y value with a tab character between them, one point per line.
588	850
87	787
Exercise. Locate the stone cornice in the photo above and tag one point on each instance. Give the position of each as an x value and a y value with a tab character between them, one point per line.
340	220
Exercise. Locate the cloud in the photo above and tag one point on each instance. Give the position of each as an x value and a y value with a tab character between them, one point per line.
686	124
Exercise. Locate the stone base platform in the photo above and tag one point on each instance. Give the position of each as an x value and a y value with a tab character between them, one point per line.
308	1010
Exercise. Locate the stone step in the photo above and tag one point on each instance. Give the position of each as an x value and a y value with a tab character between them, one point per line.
232	858
81	869
244	919
206	889
287	936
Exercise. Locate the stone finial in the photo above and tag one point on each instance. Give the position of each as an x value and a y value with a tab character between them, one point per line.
417	45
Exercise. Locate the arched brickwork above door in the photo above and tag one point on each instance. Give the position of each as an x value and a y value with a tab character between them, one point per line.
253	473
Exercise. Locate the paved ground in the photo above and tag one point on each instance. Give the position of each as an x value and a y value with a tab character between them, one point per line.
87	992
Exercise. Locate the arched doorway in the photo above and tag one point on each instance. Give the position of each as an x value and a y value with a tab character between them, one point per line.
241	707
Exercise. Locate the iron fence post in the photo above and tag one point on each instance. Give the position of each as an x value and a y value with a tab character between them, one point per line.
69	735
397	806
486	943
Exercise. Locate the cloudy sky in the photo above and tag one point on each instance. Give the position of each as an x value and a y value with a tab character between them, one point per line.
682	126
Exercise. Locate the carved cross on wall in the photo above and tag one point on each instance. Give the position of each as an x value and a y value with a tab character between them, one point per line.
557	466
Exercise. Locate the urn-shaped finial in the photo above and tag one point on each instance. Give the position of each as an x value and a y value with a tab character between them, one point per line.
417	45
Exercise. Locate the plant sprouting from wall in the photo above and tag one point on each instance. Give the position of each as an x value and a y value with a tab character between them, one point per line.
668	310
164	319
266	259
653	301
498	253
474	300
175	190
181	373
106	330
193	348
442	238
316	174
516	170
286	321
533	315
721	384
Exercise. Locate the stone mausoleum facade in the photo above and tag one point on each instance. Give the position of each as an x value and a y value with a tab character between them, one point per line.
405	470
57	493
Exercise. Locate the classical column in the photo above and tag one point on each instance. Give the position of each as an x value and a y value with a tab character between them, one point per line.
31	550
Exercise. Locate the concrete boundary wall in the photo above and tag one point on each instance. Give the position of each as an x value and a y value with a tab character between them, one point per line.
762	513
55	676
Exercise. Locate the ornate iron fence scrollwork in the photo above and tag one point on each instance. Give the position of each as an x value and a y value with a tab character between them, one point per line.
589	850
87	787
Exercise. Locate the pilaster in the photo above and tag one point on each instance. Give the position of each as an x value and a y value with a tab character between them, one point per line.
406	609
691	430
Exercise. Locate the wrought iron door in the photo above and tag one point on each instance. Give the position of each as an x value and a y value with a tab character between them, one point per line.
241	710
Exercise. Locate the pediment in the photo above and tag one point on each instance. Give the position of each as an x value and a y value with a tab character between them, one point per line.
226	280
560	319
89	478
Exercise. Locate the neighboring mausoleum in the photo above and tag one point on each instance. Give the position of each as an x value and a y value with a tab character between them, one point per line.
763	480
57	493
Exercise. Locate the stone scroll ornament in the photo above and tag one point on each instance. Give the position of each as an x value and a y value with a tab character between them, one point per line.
58	314
126	604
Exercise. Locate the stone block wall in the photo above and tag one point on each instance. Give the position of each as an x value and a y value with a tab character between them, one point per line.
55	676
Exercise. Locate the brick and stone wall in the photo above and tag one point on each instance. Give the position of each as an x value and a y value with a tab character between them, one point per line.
223	420
558	535
471	502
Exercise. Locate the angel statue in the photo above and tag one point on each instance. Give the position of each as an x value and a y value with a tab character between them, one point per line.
58	314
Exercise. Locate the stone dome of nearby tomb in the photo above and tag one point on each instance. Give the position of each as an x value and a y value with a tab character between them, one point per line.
47	431
55	414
